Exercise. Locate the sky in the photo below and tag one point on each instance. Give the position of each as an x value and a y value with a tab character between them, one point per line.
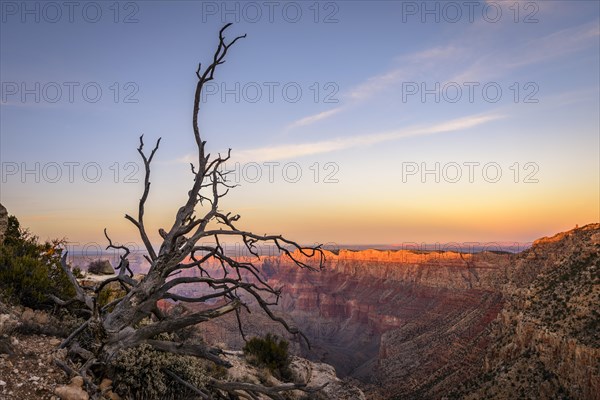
350	122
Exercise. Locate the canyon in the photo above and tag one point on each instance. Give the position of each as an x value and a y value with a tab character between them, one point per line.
440	324
431	325
395	320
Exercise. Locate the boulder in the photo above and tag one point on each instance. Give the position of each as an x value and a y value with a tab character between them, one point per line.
3	222
106	384
72	391
101	267
6	347
106	389
8	322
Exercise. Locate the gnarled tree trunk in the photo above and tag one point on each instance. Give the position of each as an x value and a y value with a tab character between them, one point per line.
116	326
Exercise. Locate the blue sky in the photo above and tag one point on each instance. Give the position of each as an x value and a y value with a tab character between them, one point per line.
358	122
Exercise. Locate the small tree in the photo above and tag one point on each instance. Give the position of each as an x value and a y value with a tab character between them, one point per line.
117	326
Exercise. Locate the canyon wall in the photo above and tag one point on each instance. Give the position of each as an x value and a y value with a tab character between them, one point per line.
545	343
406	322
401	322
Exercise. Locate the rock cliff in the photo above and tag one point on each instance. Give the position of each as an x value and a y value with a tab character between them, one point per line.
401	322
546	341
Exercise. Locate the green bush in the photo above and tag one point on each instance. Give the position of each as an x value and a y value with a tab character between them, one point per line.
271	352
110	293
29	270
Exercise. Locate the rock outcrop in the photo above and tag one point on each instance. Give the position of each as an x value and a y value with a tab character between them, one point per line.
72	391
100	267
312	374
545	343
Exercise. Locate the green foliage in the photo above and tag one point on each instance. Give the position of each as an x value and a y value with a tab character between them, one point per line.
77	273
139	374
108	294
29	270
271	352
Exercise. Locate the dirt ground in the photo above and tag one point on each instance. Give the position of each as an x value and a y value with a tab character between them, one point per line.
29	372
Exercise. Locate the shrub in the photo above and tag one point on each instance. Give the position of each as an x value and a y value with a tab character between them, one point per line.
271	352
110	293
29	270
139	374
77	273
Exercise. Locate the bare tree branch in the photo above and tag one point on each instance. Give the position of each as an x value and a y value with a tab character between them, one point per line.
80	293
228	279
73	334
139	223
174	324
272	392
124	262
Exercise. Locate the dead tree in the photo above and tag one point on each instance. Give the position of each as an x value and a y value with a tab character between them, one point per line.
116	326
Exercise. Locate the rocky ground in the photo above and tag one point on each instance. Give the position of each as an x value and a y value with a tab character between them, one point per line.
27	370
28	348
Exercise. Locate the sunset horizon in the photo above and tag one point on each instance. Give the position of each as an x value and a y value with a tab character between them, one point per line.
486	148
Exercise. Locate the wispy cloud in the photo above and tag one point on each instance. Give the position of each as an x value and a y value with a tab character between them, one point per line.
185	159
271	153
558	44
376	84
461	61
314	118
411	65
459	56
433	55
555	45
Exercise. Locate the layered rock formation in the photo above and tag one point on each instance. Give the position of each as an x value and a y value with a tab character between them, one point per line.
546	341
402	322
